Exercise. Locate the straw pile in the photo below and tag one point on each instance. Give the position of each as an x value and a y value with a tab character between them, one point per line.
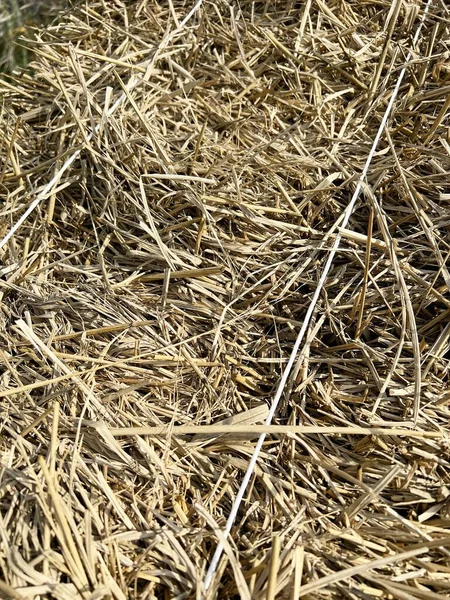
151	301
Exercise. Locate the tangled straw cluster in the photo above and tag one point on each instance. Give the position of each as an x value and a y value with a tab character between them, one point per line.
151	301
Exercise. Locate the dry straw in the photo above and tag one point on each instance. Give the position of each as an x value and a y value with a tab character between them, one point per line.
178	201
323	278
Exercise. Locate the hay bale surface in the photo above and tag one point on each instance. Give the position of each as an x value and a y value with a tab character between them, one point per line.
151	300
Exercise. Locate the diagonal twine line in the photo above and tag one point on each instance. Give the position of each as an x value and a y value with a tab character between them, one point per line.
132	84
347	214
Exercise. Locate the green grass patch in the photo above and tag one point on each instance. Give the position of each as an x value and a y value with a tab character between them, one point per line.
17	18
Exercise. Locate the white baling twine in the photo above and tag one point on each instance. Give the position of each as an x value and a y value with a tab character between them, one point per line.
251	467
132	84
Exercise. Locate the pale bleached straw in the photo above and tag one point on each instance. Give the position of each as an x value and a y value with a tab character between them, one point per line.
132	84
347	214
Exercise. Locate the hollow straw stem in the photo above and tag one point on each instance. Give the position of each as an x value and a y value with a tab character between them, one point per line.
251	467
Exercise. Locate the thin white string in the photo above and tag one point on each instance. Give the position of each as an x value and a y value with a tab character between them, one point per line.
251	467
133	82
